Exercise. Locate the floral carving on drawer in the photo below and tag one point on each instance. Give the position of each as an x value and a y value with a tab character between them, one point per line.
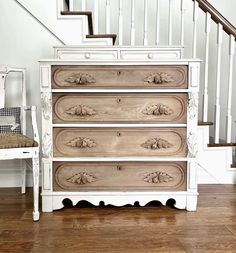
158	110
81	142
80	110
159	78
157	143
80	79
82	178
158	177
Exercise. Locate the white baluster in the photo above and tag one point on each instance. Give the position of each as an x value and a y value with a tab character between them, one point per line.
95	15
83	5
145	32
183	10
170	23
195	18
132	31
108	16
158	23
206	67
218	76
121	23
231	61
71	5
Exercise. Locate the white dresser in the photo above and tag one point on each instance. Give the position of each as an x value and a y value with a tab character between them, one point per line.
119	131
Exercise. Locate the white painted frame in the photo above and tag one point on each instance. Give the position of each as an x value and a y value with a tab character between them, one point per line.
53	200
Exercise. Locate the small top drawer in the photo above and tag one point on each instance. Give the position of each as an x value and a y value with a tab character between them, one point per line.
150	55
87	55
64	77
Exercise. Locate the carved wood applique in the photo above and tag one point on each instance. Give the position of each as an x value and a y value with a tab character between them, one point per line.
81	110
82	178
193	105
46	99
47	145
158	177
158	78
82	142
80	79
158	110
192	145
156	143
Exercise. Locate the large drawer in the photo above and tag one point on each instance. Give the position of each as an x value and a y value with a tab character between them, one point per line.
119	77
121	108
131	176
117	142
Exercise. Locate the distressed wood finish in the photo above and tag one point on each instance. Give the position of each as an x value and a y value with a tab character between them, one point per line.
105	142
120	176
119	76
141	108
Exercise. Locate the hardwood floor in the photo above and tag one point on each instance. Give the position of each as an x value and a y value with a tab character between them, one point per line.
128	229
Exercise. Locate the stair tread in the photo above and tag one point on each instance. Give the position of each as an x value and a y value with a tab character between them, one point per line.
222	144
81	13
112	36
208	123
201	123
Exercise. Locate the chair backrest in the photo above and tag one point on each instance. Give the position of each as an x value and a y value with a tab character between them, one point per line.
4	72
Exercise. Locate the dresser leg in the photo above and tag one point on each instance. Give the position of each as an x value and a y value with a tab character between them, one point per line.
191	203
47	204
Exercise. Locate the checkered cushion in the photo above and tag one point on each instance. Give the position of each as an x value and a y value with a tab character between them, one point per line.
11	111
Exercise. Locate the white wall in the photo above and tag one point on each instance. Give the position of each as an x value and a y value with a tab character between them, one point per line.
23	41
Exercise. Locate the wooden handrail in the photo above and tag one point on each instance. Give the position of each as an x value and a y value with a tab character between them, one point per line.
217	17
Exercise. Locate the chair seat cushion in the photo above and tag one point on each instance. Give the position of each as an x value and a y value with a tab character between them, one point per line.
14	140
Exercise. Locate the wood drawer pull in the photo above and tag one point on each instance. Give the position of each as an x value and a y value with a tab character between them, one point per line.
118	100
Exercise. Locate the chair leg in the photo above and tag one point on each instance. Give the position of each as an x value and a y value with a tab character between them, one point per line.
35	162
23	177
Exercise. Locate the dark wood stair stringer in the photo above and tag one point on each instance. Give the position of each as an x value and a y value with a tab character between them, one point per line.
90	24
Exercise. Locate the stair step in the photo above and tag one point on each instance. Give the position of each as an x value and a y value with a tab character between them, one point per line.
81	13
233	165
98	36
222	145
201	123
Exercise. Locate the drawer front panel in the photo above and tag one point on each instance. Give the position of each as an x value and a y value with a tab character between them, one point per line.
116	142
158	176
119	77
133	108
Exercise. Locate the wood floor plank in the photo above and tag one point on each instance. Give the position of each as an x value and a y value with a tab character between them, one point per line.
127	229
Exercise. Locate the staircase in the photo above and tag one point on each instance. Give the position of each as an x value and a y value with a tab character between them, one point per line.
170	29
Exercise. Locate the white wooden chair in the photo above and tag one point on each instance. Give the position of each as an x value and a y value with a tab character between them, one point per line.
16	145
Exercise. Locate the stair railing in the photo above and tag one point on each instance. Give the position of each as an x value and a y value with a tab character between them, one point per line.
222	25
175	34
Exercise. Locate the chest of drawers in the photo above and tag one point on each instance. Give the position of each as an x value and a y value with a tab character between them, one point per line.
119	132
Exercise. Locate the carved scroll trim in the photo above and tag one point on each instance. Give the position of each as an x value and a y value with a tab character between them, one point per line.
81	110
80	79
82	178
157	143
159	78
82	142
158	177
